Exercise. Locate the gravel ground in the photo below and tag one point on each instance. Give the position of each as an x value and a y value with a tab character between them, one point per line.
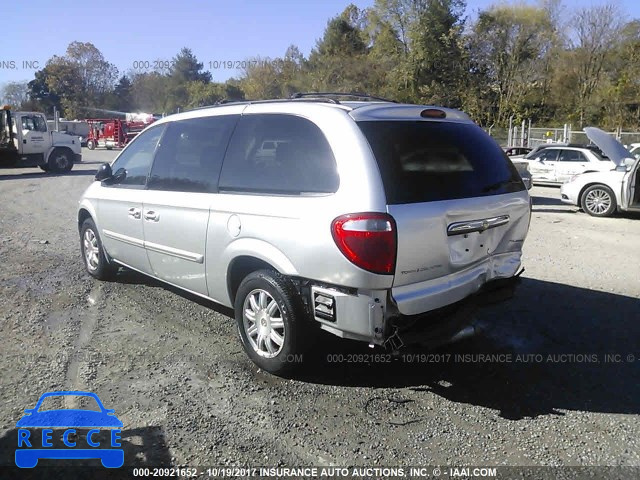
175	373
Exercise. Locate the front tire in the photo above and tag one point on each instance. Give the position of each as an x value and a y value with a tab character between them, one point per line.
270	321
598	201
95	261
91	144
60	160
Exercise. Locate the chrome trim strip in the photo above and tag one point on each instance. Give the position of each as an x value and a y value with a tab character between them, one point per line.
174	252
154	247
123	238
460	228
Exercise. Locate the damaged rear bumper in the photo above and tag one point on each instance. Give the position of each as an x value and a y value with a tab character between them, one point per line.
453	322
373	317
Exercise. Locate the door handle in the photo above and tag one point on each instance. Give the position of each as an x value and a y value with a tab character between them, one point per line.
151	216
134	213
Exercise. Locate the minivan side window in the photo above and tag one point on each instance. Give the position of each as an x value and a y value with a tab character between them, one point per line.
279	154
133	165
190	154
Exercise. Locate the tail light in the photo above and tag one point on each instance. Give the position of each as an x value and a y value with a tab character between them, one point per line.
368	240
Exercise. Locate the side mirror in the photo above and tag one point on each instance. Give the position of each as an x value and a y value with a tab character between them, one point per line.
104	172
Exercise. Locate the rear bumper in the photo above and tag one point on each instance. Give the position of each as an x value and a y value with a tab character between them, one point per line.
417	298
77	157
448	323
373	317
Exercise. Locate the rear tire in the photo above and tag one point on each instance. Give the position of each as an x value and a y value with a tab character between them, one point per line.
60	160
270	321
598	201
95	261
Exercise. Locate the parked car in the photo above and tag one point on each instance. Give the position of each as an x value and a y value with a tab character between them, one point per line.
601	194
517	151
538	148
556	164
367	217
523	169
634	149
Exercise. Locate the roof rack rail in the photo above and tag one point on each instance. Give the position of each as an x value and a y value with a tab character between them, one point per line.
299	95
224	102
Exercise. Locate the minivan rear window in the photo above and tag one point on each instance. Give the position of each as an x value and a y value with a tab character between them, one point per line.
426	161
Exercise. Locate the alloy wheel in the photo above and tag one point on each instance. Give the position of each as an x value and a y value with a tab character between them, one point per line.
263	323
598	201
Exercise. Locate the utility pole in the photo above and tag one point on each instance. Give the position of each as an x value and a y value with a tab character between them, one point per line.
510	134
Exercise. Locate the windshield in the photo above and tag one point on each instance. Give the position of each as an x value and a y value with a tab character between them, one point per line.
423	161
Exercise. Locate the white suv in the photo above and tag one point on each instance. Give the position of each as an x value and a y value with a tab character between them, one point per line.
360	218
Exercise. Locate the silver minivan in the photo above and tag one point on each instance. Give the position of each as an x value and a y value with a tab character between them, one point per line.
371	220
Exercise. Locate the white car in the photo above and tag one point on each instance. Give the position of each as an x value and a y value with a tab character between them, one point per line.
600	194
634	148
557	164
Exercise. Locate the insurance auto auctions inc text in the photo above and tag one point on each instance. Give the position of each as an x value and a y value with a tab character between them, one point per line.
533	358
375	472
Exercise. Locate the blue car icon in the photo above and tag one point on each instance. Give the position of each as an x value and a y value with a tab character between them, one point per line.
70	419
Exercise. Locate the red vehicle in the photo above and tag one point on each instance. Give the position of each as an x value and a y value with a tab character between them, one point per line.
115	133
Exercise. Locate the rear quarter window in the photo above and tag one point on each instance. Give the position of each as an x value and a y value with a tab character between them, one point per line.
279	154
425	161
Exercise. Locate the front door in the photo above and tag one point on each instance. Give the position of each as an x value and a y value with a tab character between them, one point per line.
120	201
630	188
33	134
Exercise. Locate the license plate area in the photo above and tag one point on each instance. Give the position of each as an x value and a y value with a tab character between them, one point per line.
474	240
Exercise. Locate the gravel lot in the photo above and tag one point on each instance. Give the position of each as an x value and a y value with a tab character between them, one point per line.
176	375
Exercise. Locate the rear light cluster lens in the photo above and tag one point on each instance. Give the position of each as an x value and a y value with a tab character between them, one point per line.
368	240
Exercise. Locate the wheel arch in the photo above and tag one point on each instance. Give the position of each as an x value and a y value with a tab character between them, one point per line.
83	214
86	210
593	183
56	147
239	268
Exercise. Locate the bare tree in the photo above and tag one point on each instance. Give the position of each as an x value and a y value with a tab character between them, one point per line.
594	33
510	44
15	94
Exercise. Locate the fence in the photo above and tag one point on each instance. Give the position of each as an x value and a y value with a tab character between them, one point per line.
525	135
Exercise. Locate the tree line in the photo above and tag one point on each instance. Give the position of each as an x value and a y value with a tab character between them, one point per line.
541	62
